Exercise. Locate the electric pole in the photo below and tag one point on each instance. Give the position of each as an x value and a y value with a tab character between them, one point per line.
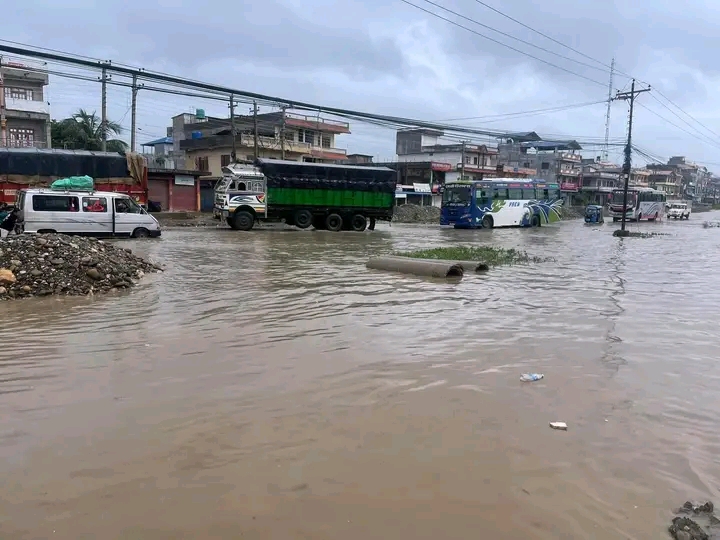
462	162
103	121
233	131
255	130
282	134
606	148
629	96
133	113
3	122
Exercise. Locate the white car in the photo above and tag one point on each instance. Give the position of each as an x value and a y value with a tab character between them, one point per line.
678	211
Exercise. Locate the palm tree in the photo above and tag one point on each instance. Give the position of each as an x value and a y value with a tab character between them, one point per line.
83	131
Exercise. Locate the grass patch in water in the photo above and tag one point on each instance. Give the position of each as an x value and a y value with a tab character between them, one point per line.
492	256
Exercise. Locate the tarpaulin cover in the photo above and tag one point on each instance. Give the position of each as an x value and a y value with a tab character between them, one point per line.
62	163
74	183
284	174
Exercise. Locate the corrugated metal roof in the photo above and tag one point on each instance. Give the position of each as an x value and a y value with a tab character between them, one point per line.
163	140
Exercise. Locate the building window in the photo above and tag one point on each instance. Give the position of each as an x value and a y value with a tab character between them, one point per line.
18	93
21	137
475	160
225	160
203	163
290	136
545	166
326	141
306	136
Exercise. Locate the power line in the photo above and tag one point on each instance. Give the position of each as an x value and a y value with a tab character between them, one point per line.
681	110
502	44
559	108
505	34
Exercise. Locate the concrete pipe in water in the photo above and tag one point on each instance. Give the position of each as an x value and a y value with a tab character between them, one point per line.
418	267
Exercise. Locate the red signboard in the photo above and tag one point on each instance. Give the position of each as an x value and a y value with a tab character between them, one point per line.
568	186
440	167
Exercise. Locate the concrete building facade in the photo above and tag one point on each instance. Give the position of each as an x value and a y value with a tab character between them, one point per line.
198	142
26	111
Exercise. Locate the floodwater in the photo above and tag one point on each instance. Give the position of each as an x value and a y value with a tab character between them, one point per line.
269	386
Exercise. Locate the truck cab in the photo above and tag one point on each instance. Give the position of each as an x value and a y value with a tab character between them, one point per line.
242	183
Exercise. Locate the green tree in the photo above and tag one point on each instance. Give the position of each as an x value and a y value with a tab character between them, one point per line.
83	131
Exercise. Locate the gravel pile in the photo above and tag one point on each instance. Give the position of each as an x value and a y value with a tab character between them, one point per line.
56	264
412	213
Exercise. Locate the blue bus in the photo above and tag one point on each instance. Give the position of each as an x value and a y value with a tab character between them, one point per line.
501	202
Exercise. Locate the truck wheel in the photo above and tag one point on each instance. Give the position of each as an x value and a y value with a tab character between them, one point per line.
303	219
371	225
334	222
487	222
243	220
358	223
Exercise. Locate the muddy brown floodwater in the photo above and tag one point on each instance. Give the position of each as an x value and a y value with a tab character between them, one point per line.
269	386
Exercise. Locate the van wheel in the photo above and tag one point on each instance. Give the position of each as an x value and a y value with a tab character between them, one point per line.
243	220
141	232
487	222
303	219
358	223
334	222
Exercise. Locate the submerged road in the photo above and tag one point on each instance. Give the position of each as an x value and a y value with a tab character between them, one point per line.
268	385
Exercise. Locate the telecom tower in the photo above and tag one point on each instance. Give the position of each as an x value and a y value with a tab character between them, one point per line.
606	148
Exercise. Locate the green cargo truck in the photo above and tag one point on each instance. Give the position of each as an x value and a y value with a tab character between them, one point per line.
321	195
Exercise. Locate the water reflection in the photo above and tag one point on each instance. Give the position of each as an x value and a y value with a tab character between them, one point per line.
270	374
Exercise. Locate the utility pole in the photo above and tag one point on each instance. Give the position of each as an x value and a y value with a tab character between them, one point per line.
3	122
282	134
462	163
606	148
133	113
103	121
255	130
233	131
629	96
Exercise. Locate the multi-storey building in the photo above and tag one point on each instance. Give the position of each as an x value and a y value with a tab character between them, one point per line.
24	107
196	141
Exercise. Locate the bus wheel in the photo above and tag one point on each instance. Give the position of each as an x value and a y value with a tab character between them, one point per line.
487	222
334	222
535	221
303	219
243	220
358	223
371	225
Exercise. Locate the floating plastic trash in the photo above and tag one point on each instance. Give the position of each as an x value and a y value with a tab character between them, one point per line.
559	425
530	377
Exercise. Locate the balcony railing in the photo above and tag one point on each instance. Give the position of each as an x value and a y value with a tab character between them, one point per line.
27	105
160	162
316	120
11	142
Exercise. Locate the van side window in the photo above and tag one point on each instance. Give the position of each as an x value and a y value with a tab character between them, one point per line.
94	204
55	203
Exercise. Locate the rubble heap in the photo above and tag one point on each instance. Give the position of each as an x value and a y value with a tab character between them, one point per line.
56	264
702	526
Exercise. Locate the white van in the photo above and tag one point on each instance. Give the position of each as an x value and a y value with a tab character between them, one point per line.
86	213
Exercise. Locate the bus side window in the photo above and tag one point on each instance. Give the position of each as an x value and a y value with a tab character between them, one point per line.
499	193
482	194
543	194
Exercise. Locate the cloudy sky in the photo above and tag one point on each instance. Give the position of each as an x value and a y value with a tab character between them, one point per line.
392	58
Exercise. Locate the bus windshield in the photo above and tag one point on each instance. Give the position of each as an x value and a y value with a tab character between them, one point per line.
457	195
617	197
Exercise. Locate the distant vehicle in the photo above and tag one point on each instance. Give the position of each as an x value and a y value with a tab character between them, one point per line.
594	214
86	213
321	195
678	210
501	202
643	204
